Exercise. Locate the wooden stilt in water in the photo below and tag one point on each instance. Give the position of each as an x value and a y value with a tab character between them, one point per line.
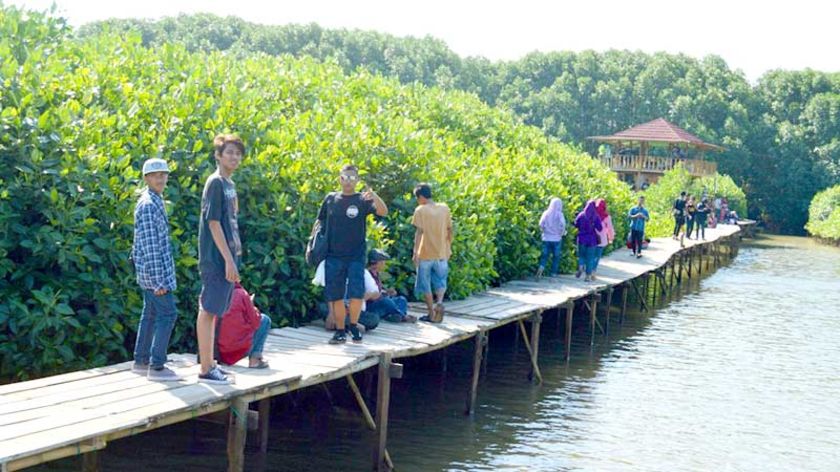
366	413
570	313
642	301
535	367
237	432
480	343
609	306
648	276
593	312
536	321
264	409
624	290
90	462
387	370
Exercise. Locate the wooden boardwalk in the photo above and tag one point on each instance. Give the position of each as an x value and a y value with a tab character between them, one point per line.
80	412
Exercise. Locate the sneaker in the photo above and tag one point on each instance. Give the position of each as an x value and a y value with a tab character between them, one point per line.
215	376
357	336
223	370
577	273
164	374
638	256
139	368
338	338
540	272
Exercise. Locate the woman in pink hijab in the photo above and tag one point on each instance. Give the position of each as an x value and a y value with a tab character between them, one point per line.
606	234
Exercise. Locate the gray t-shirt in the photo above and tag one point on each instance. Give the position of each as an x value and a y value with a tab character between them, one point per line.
219	203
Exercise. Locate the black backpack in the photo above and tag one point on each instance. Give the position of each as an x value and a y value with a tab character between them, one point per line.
316	247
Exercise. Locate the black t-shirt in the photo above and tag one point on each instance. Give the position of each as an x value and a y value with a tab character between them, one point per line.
679	205
347	226
218	203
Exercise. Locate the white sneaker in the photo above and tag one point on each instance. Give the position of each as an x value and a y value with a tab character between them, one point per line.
164	374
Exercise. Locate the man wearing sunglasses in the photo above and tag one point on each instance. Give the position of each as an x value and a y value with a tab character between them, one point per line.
344	215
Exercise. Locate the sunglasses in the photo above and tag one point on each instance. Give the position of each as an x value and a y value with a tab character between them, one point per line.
349	178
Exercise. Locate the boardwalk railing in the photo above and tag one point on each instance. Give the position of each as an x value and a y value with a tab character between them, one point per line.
80	412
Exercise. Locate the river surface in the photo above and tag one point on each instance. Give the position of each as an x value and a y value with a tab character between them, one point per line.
741	372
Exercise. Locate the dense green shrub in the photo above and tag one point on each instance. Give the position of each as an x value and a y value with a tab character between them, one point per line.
78	117
660	197
824	215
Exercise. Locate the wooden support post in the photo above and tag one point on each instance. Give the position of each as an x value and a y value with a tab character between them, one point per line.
647	277
480	342
593	312
673	267
642	300
535	368
237	432
371	423
383	401
609	306
680	274
264	409
624	290
570	313
690	260
90	462
536	321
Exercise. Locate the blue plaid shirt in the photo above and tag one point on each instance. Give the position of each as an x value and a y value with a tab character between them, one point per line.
152	251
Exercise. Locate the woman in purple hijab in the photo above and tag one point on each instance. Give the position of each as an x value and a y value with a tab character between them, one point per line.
588	224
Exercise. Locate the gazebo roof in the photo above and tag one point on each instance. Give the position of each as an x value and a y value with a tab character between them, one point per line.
657	131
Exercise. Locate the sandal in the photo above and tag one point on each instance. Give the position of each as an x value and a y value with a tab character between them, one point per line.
262	364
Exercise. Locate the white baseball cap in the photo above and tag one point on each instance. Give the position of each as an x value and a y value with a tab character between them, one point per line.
155	164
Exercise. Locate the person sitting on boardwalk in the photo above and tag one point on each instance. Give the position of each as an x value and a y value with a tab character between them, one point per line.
219	251
432	249
152	256
553	226
638	216
690	215
606	235
242	331
588	224
702	216
344	266
679	215
385	302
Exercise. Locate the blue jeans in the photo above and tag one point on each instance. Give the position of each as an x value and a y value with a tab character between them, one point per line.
553	248
260	336
389	308
599	251
155	328
431	276
586	257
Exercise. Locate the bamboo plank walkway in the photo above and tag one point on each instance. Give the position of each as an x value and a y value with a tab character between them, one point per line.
79	412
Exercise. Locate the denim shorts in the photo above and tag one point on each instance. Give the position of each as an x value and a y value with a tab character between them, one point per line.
216	293
431	276
344	276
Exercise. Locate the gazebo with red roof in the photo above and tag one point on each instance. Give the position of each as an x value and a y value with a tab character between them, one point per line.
646	151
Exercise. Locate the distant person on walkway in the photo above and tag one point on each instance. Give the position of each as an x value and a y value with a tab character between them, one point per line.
344	266
679	215
606	235
690	216
243	331
219	251
724	211
588	224
389	305
432	249
553	227
638	216
703	211
155	267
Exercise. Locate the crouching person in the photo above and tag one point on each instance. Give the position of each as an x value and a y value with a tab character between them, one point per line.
152	256
385	302
243	331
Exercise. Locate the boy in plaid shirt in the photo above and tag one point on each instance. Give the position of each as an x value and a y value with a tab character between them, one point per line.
152	255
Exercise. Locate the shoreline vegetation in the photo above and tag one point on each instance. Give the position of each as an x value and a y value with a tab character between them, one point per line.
824	216
80	114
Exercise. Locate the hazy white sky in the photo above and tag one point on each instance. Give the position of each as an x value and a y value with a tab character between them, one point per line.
752	36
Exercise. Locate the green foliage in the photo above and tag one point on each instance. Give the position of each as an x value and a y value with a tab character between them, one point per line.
824	215
79	116
660	197
781	136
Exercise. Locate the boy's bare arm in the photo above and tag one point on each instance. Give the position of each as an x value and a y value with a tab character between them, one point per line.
231	272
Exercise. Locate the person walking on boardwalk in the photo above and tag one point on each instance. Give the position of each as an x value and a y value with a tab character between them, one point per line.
553	227
344	215
588	224
606	235
432	249
690	215
219	251
155	267
702	217
638	216
679	216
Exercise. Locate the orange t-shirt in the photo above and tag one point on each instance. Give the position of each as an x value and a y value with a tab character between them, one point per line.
436	221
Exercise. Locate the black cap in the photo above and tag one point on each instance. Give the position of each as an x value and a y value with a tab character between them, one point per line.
376	255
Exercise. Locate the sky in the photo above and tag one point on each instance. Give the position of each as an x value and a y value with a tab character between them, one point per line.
751	36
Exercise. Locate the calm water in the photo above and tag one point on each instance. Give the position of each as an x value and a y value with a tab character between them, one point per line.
738	374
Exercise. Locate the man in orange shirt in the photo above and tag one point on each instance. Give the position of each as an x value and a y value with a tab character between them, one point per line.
432	249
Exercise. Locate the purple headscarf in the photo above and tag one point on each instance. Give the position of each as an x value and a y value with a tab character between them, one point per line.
588	224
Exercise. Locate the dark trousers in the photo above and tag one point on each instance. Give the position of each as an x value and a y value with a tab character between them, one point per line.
636	238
